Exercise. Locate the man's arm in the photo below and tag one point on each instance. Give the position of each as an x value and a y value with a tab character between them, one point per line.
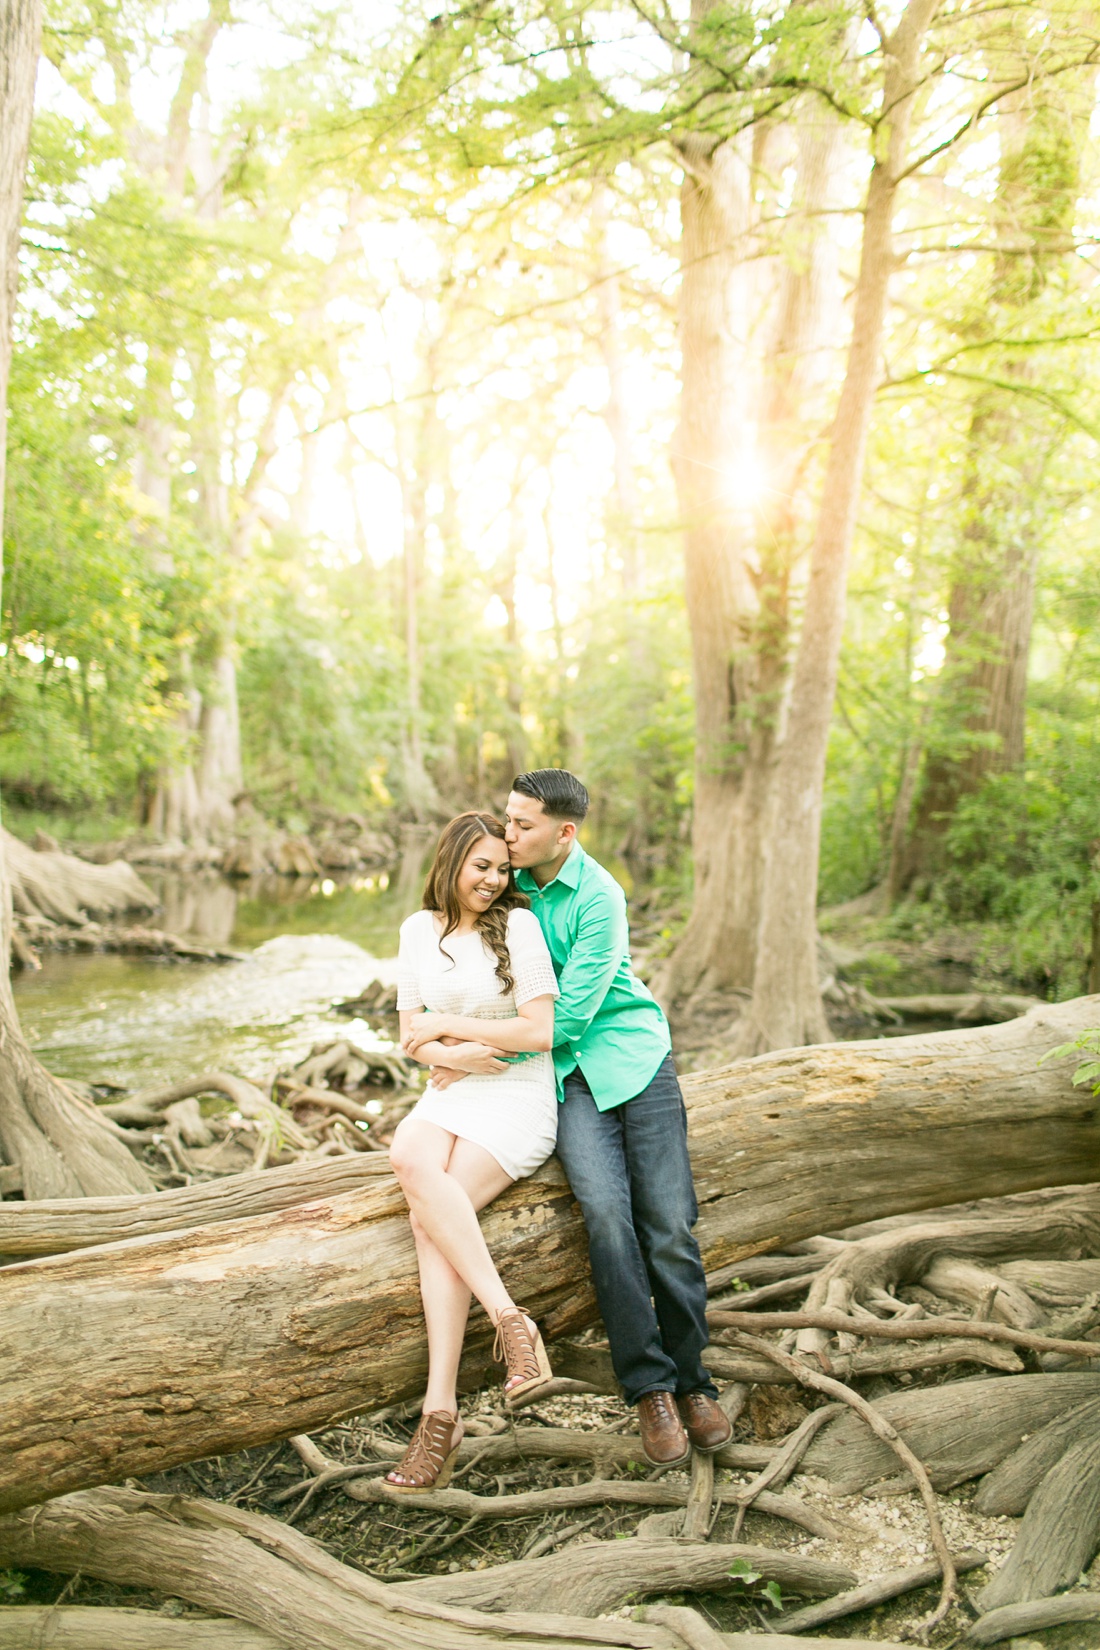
591	966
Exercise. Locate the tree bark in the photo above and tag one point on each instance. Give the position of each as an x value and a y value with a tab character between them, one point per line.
61	1147
993	584
256	1569
170	1348
786	1008
748	332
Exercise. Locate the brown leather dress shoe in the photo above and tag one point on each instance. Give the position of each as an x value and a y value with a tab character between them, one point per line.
664	1441
705	1422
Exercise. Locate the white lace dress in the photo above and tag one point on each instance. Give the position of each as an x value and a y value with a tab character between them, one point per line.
513	1114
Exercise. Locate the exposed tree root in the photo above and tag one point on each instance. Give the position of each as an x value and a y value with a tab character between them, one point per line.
256	1570
1018	1620
880	1262
598	1576
80	1627
1009	1487
1060	1532
878	1591
889	1435
598	1492
938	1353
912	1329
959	1431
70	890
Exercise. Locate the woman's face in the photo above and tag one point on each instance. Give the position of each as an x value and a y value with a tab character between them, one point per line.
483	876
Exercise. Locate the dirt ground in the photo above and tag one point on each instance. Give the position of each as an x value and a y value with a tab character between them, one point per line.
396	1543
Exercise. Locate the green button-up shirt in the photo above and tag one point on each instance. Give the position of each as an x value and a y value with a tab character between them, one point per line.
605	1021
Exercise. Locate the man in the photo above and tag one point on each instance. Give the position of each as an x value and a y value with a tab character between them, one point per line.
622	1127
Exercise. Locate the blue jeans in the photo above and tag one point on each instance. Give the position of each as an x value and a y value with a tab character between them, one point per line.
630	1173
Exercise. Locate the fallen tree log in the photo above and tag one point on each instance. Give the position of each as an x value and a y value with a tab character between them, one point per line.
52	1226
965	1008
169	1348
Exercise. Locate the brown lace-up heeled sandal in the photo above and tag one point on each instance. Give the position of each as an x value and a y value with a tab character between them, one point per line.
520	1347
428	1462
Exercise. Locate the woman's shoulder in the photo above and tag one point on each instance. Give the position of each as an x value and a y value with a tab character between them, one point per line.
523	924
421	922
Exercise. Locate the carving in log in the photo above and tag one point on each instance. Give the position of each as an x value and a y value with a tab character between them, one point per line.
173	1347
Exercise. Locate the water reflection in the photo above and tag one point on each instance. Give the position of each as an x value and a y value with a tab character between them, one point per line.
138	1020
134	1021
202	907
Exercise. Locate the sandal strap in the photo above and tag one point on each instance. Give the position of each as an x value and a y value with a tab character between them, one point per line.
515	1345
428	1448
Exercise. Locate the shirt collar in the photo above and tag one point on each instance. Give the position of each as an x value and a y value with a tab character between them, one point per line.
570	873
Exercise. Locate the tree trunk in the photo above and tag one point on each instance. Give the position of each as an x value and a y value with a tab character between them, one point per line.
993	584
751	335
60	1146
787	1009
732	740
198	1342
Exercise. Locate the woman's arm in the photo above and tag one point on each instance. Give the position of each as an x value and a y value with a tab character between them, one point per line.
531	1031
458	1054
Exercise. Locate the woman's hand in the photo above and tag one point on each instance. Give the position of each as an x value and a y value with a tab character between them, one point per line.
425	1028
443	1076
477	1058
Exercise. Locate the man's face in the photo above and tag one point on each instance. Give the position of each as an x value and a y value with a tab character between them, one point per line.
534	837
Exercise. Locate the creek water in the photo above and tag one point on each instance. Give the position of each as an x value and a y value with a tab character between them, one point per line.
135	1021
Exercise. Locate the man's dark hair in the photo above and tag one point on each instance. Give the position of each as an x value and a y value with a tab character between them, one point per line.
560	792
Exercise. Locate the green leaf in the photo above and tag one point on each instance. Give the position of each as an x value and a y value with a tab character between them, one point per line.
741	1570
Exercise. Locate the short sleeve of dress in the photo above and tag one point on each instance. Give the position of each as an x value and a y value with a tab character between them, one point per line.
532	969
408	983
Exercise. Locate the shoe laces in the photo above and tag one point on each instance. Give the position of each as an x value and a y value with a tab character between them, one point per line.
513	1345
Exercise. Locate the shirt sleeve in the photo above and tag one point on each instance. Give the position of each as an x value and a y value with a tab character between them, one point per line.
532	969
601	944
408	984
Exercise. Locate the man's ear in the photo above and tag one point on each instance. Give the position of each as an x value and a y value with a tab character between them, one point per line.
568	831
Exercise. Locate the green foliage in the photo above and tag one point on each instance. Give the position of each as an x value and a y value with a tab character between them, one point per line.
1088	1071
320	684
1020	853
97	600
378	269
742	1571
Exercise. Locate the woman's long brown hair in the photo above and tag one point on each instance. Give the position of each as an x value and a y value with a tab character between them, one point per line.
441	890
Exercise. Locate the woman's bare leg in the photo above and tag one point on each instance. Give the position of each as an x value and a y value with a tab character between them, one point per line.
445	1182
445	1295
477	1176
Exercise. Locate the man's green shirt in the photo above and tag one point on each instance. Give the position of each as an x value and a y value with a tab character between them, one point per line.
605	1021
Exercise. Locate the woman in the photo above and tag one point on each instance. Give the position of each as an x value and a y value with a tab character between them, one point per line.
476	988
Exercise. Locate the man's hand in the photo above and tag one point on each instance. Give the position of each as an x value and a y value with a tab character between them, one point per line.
469	1058
478	1059
424	1028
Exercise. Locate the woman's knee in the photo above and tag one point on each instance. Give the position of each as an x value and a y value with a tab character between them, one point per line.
409	1160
